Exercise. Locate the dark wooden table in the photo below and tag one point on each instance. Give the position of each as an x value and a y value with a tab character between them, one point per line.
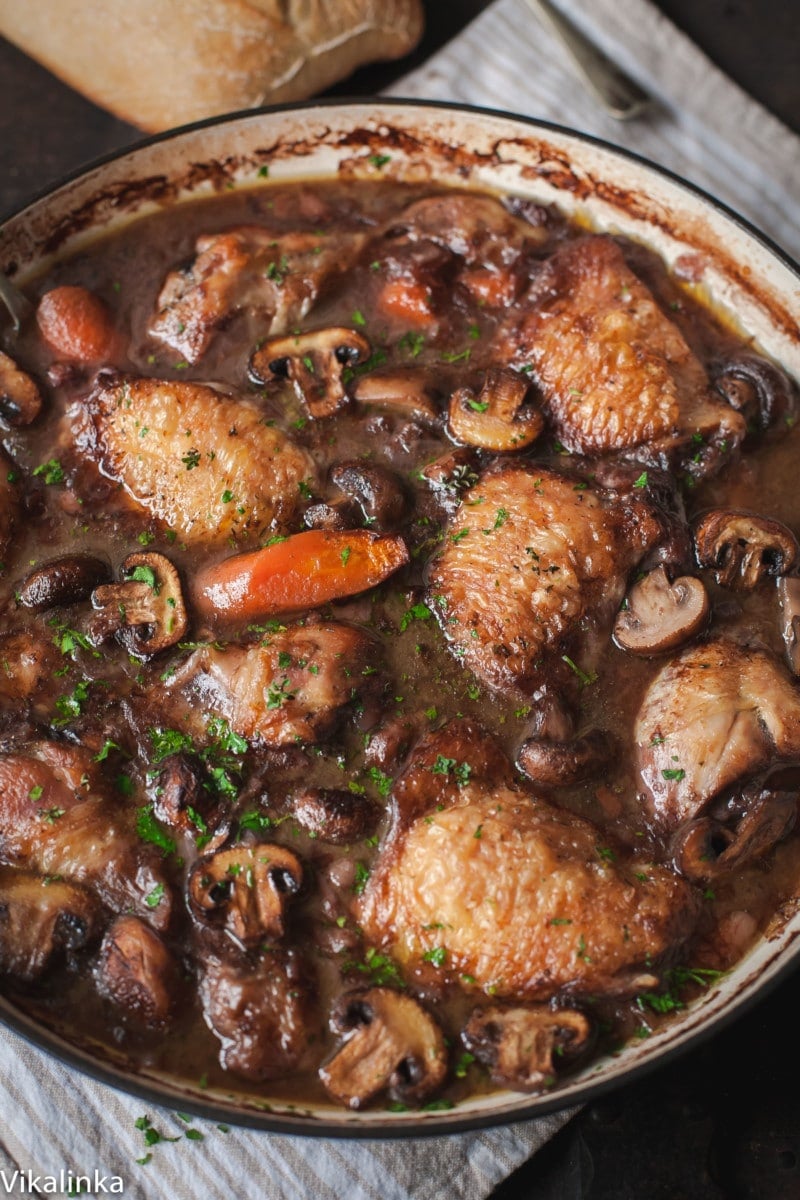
723	1122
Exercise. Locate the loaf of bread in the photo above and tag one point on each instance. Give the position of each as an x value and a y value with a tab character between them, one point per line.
161	63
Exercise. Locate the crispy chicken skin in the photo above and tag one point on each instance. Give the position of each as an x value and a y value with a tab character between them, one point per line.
291	687
205	464
520	896
279	276
716	714
259	1010
53	819
614	371
535	564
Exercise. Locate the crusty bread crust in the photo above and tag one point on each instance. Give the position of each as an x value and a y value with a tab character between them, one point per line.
161	63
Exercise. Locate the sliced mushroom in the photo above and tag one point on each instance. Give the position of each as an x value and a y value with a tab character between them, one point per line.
136	971
315	363
742	549
706	848
406	392
40	919
524	1047
390	1043
496	419
789	597
334	815
560	764
756	388
20	398
659	615
376	489
244	891
183	801
63	581
146	609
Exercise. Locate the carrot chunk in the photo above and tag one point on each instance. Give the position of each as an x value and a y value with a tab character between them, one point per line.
76	324
408	302
302	571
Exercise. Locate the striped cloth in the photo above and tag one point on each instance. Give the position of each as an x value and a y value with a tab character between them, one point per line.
703	126
706	129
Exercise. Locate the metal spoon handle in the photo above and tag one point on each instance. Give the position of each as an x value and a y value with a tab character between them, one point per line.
615	90
18	305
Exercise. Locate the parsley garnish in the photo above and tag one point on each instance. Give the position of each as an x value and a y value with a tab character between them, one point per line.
51	471
149	830
417	612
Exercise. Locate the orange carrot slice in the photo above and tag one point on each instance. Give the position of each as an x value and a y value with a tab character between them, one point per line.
302	571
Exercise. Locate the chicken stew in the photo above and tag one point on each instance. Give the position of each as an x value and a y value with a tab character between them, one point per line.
401	600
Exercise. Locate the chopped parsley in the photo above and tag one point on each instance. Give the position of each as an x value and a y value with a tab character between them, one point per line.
361	878
51	471
154	898
150	831
437	956
584	678
417	612
168	741
278	693
382	782
380	968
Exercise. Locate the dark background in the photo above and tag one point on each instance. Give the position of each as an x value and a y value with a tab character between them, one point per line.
723	1122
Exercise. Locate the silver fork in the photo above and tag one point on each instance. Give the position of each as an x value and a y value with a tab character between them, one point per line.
615	90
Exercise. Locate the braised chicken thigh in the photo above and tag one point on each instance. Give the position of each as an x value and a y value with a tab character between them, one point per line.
202	462
511	892
276	276
535	563
615	371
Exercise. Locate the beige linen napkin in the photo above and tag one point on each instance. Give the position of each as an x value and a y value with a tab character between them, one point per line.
706	129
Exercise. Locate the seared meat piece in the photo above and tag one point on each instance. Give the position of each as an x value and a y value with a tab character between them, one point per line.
41	918
535	564
717	714
504	888
278	276
27	663
259	1010
291	687
203	463
137	972
477	228
54	820
615	372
